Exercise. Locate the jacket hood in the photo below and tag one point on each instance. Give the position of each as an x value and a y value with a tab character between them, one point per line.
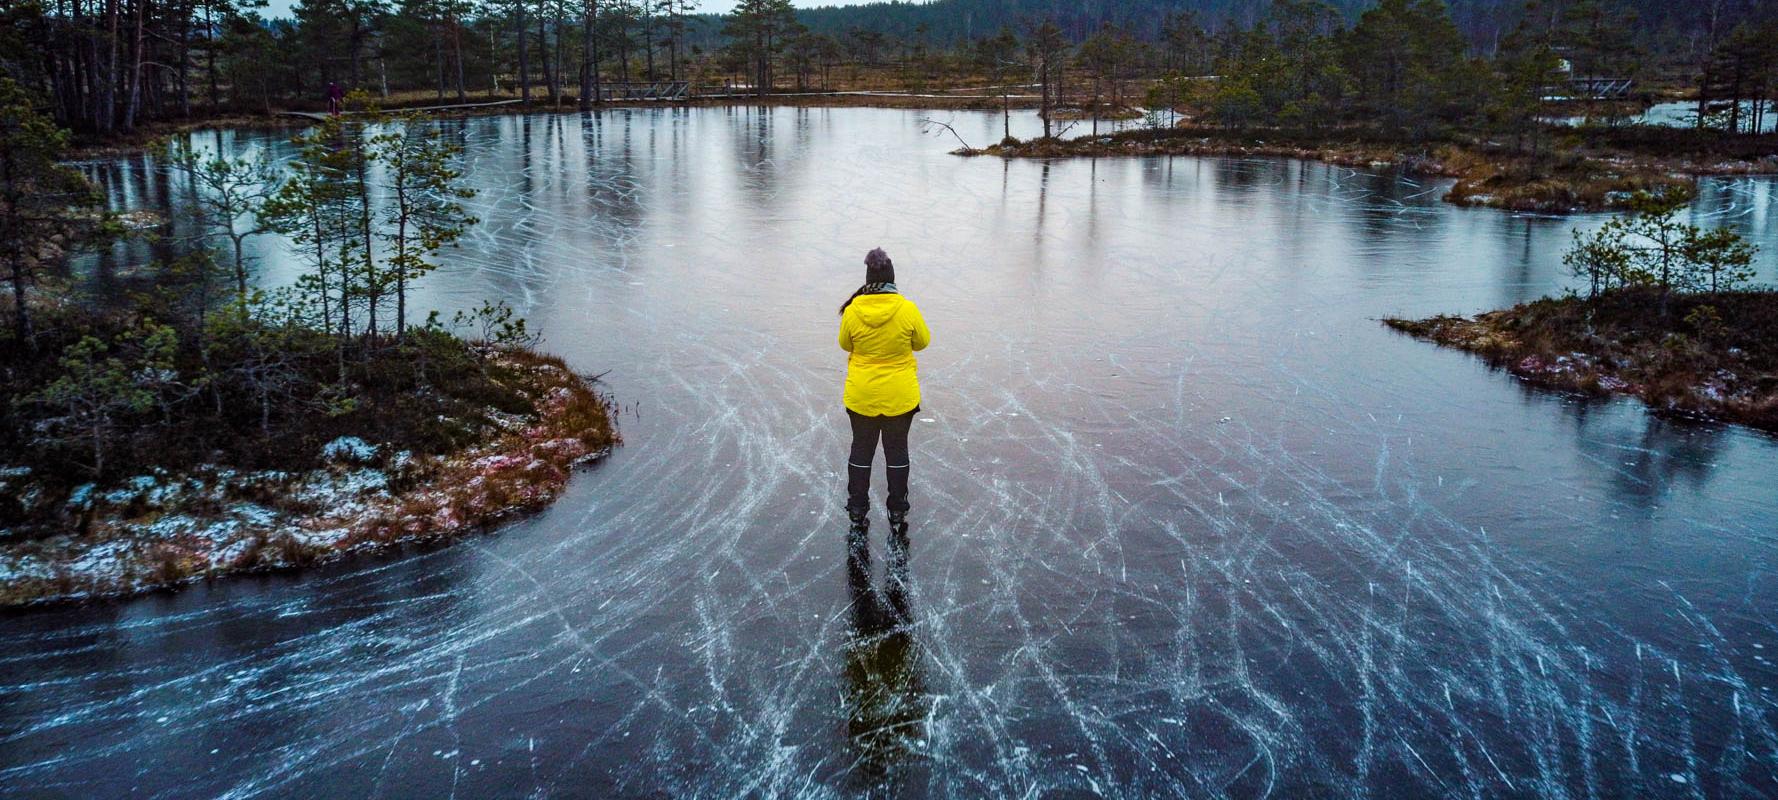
875	309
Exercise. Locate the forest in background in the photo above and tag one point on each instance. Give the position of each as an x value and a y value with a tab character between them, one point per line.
105	67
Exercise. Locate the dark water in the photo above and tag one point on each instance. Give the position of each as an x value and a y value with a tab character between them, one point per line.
1188	521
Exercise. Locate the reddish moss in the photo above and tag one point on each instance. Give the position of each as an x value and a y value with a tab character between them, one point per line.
1712	355
506	471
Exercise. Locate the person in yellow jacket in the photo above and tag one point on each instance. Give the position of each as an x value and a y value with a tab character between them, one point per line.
881	330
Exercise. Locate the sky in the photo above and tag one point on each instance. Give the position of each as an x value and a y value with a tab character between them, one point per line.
281	8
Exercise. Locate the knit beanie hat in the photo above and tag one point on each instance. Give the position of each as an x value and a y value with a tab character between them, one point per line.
878	268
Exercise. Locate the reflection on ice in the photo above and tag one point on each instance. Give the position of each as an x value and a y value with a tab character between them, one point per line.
886	703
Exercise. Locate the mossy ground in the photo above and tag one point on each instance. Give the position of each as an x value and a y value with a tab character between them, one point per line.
1710	355
166	528
1573	171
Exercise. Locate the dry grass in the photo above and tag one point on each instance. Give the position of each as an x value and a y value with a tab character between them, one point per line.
1569	179
1556	183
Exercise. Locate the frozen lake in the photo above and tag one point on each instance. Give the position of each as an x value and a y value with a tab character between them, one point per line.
1187	520
1685	115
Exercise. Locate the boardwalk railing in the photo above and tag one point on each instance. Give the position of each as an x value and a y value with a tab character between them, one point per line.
321	115
658	90
1590	89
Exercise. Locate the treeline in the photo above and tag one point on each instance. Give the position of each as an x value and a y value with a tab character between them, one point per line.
1676	30
1404	65
107	66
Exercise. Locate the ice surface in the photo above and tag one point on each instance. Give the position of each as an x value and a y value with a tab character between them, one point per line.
1188	521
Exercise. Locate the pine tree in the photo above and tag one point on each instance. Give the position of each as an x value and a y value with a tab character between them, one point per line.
1405	58
316	208
230	193
1652	247
423	214
995	56
760	29
1047	50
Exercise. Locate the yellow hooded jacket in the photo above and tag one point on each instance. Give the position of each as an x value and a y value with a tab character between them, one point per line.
882	331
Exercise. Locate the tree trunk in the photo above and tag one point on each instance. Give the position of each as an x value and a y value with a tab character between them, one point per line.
184	60
373	292
210	54
107	116
240	267
457	53
135	95
676	27
1703	95
357	43
401	268
623	54
586	54
98	432
593	48
560	55
321	277
1735	99
524	55
438	57
549	75
648	41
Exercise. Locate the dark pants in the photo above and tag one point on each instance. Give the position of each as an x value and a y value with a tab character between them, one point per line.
865	432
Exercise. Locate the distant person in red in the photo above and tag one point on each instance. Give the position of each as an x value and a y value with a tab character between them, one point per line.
334	95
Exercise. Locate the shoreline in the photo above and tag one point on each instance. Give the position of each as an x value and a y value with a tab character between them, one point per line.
140	139
1719	370
160	531
1564	179
1485	177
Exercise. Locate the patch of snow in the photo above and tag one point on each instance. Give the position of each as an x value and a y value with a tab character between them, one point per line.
321	538
349	450
100	560
168	526
253	514
82	496
337	495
